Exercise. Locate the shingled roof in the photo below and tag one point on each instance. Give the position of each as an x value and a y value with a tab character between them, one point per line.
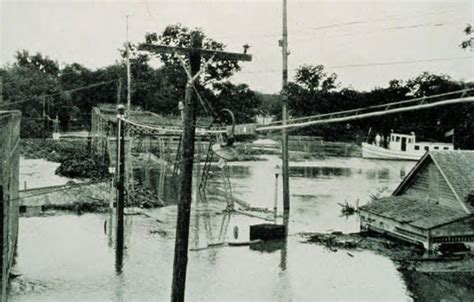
457	167
420	214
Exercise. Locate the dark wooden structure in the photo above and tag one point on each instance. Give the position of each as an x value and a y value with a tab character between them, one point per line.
9	178
432	205
267	231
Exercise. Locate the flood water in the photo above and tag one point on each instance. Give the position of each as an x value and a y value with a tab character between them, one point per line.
71	258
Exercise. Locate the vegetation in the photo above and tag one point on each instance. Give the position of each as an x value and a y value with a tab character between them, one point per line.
41	89
73	156
468	44
314	92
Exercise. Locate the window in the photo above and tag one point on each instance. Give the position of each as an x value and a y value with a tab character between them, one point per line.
417	147
427	148
409	140
436	147
445	148
398	138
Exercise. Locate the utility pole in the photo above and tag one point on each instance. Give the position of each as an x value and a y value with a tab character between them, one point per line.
120	172
119	91
284	99
187	159
129	77
195	53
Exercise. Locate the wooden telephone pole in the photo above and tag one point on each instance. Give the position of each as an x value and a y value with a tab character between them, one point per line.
284	99
195	53
129	77
119	208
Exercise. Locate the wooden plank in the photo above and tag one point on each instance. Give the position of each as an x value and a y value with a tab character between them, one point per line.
205	53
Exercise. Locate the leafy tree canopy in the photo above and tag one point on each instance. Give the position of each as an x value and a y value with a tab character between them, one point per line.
314	78
180	35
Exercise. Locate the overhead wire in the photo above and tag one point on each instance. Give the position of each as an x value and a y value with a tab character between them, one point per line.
35	98
387	63
58	76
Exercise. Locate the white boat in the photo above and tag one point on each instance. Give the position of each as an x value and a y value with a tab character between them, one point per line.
401	147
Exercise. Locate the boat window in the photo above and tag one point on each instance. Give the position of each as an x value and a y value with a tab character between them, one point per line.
427	148
398	138
409	140
446	148
417	147
436	148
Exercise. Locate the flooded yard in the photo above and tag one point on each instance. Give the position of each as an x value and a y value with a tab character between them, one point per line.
71	258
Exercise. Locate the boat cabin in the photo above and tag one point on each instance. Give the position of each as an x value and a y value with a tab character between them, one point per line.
401	147
407	142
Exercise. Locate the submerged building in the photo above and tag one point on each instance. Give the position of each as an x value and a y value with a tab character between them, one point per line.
434	204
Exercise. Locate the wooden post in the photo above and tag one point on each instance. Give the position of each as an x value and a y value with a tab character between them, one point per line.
119	91
284	98
45	121
195	53
129	77
120	172
275	196
187	160
181	110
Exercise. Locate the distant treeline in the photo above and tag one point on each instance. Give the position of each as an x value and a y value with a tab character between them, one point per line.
36	85
42	90
315	92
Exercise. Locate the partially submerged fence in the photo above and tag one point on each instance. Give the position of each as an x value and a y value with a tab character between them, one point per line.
9	179
149	133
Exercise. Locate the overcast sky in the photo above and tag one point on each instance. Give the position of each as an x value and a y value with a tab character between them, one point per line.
337	34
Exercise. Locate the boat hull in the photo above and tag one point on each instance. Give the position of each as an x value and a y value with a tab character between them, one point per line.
376	152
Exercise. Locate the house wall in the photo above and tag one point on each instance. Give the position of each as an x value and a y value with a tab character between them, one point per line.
9	178
369	221
461	231
430	186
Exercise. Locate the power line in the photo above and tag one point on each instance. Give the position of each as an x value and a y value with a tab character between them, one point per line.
54	77
59	93
398	62
305	31
389	63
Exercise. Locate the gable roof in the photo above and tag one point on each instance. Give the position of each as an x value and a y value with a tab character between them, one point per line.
419	214
456	167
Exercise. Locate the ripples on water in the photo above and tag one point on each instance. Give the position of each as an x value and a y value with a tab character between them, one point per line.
71	258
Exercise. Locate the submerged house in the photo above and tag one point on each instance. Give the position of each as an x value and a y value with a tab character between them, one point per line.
433	205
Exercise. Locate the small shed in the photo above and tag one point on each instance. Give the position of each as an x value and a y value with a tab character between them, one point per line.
434	203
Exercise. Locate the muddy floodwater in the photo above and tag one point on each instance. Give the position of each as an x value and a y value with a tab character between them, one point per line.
67	257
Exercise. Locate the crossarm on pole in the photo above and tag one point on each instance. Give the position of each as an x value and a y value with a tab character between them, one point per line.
205	53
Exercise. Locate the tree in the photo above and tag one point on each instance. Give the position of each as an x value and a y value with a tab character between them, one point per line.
311	90
271	103
37	62
179	35
213	88
313	78
240	99
26	85
468	44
